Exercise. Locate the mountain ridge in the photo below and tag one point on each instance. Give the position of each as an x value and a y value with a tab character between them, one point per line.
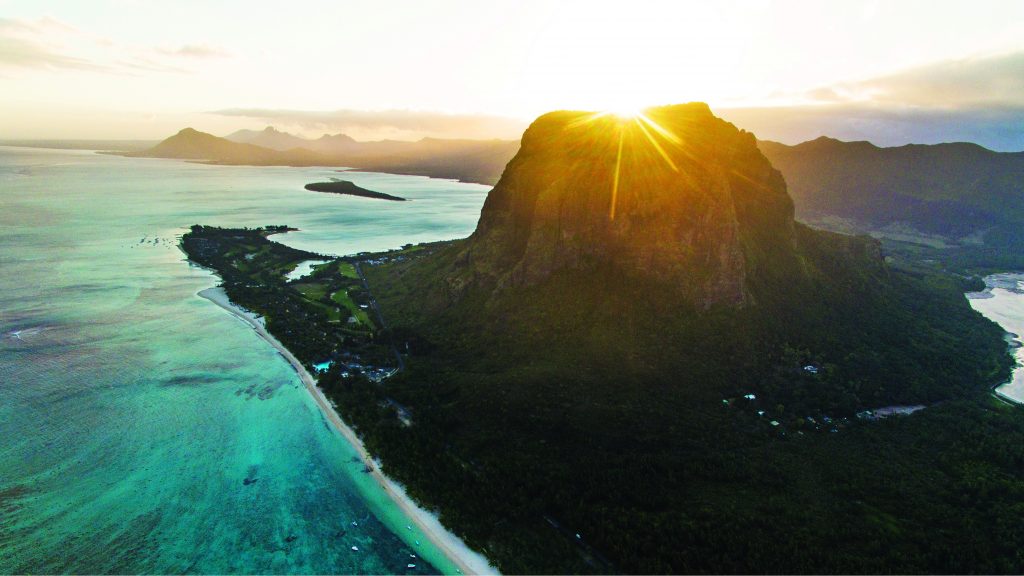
191	144
953	189
269	137
467	160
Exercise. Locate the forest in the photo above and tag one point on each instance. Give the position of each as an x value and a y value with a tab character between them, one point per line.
594	424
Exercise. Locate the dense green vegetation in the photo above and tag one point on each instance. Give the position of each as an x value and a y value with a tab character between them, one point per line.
948	189
1003	250
318	317
645	365
968	197
596	404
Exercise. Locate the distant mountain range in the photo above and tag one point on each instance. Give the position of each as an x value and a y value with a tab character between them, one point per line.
269	137
961	198
467	160
952	190
274	139
190	144
956	195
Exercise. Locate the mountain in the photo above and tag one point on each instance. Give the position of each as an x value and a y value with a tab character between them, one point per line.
640	362
271	138
191	144
333	144
944	195
467	160
704	234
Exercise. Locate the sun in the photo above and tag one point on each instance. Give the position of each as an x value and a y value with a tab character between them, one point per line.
626	112
634	120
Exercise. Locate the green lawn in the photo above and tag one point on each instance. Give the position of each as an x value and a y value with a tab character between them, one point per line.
312	291
348	270
342	297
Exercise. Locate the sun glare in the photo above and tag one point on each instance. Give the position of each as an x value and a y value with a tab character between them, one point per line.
628	119
626	112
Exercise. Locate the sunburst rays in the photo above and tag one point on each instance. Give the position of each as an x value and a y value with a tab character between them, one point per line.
625	122
615	179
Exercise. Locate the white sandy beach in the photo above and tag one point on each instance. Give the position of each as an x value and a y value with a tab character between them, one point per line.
468	561
1001	301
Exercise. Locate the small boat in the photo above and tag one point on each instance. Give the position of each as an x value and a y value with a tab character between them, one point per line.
354	523
355	548
410	565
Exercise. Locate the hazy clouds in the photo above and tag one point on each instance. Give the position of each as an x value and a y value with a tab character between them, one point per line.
394	123
47	44
996	81
201	51
978	100
24	45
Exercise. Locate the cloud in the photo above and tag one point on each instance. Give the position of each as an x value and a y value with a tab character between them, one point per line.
977	100
48	44
402	122
143	64
23	45
200	51
972	82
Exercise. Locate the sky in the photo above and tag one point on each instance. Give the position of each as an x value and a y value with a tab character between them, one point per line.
891	72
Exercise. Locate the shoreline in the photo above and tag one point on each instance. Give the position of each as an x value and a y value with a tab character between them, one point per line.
1013	341
465	559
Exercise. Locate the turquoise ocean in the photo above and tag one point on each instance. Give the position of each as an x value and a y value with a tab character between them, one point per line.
131	410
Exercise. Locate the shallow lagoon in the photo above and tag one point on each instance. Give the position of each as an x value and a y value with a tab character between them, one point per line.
133	411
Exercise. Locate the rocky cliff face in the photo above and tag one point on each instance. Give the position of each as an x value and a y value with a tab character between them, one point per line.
677	195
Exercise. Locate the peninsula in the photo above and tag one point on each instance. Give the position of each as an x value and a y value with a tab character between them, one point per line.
349	188
321	324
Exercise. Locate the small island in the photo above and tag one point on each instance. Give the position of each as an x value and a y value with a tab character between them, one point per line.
346	187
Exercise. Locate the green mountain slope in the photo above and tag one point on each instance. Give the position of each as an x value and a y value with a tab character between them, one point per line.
957	195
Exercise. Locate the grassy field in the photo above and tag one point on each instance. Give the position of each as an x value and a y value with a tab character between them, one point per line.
315	293
342	297
348	270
